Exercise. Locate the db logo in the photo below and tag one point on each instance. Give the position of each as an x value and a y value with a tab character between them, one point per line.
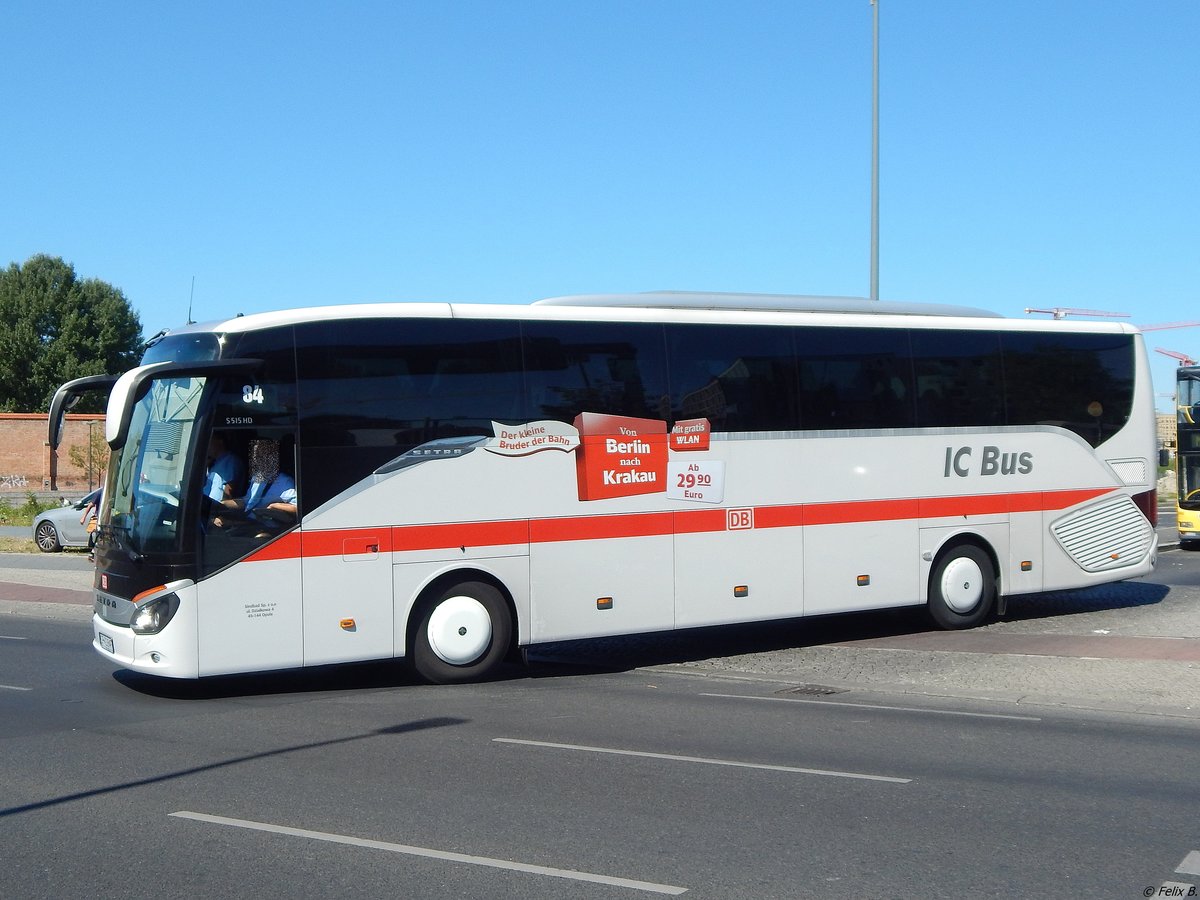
739	519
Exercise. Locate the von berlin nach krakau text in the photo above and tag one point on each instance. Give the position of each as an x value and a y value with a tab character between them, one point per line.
620	456
631	453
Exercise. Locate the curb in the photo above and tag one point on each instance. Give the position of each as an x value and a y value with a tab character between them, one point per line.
39	609
1088	704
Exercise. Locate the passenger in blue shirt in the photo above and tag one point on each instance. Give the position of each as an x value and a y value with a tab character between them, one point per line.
226	472
270	489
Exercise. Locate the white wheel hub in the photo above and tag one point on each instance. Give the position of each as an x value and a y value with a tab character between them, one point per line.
962	584
459	630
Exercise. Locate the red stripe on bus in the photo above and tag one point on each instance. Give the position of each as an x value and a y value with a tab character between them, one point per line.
464	534
286	547
991	504
699	521
599	528
1053	500
402	538
783	516
865	511
349	542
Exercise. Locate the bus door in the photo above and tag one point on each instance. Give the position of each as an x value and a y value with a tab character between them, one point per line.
249	614
249	595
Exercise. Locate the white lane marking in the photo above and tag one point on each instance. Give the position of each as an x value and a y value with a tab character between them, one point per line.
9	637
1190	864
648	886
13	687
916	709
700	759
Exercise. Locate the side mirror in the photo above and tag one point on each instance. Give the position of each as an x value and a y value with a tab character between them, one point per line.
68	396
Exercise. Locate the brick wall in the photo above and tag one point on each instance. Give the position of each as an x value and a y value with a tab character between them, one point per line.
25	460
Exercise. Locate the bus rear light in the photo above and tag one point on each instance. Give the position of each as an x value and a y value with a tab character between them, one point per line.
1147	502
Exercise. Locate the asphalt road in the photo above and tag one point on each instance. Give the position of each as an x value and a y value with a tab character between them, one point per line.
565	782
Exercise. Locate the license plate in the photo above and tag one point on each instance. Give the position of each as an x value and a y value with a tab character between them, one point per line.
106	643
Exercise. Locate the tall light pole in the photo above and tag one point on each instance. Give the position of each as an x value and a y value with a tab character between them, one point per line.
91	442
875	154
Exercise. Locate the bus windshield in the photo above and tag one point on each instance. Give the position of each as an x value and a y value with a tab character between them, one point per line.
1187	398
1189	480
147	474
187	347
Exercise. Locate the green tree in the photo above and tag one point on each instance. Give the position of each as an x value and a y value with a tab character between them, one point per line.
54	327
92	456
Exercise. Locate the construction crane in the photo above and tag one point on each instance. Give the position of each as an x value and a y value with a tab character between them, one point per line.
1167	325
1183	358
1061	312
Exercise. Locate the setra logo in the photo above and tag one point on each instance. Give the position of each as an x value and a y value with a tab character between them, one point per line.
739	519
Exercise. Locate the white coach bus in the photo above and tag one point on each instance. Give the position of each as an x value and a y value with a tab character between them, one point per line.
470	479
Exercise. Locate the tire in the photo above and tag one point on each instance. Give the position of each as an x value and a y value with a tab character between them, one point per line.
46	537
962	587
463	634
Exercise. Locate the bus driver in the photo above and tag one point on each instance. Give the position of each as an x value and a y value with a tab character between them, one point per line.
271	491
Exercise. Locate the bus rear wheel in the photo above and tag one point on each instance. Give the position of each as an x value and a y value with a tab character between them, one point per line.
962	587
463	634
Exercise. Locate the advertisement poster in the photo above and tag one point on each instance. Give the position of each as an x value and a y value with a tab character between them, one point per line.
532	437
700	482
620	456
690	434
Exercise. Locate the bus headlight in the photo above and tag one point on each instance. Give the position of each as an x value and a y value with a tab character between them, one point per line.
154	616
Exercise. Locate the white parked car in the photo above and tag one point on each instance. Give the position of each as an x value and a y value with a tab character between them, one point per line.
58	528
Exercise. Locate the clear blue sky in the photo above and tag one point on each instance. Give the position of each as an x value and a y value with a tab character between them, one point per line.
1034	152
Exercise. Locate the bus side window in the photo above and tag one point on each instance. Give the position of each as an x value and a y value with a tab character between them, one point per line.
601	367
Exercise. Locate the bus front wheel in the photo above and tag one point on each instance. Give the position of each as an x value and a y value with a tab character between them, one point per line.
962	587
463	634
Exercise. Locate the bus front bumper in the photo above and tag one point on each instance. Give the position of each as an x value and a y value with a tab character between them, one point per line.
153	654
